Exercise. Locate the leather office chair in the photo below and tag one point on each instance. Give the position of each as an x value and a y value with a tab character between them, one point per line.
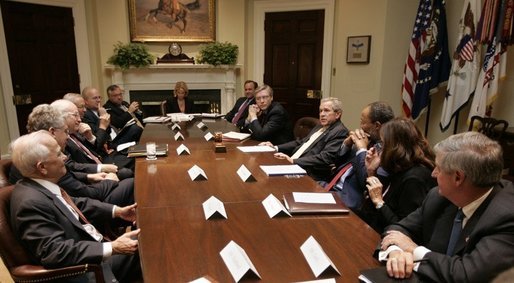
490	127
17	260
164	107
303	126
5	169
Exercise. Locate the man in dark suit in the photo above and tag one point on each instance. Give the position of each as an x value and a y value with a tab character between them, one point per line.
99	120
267	120
464	231
317	152
54	228
240	109
127	118
351	184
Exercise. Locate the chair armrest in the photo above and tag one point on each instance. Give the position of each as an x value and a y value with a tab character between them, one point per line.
36	272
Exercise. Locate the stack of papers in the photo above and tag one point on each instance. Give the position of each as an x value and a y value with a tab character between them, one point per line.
281	170
212	115
180	117
256	148
156	119
139	150
235	136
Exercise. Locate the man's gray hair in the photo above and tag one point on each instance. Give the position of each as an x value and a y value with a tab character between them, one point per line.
44	117
63	105
337	106
479	157
28	150
73	97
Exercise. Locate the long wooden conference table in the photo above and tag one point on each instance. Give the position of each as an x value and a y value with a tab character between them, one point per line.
177	243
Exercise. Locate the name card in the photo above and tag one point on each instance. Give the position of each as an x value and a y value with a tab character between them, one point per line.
196	173
179	136
245	174
201	126
183	150
176	127
238	262
208	136
331	280
316	257
205	279
274	207
214	206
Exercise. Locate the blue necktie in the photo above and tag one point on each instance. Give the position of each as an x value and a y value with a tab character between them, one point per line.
455	235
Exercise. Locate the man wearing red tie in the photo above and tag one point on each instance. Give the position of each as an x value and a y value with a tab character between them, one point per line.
57	230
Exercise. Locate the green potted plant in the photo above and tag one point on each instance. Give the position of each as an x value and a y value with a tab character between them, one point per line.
130	54
218	53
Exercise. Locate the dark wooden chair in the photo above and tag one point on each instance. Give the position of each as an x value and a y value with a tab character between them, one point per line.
5	169
490	127
164	107
303	126
17	260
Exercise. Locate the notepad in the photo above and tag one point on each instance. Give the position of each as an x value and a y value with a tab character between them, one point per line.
281	170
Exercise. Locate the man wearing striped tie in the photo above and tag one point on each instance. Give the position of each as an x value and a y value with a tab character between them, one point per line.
464	230
317	152
239	113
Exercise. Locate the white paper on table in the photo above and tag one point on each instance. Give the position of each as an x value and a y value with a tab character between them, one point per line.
208	136
180	117
201	125
201	280
213	205
181	149
316	257
236	135
125	145
256	148
330	280
179	136
273	206
237	261
195	171
280	170
245	174
314	197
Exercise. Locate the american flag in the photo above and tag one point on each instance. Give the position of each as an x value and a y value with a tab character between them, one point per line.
412	65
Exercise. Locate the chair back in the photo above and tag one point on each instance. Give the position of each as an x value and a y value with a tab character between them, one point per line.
11	251
164	107
304	126
5	169
490	127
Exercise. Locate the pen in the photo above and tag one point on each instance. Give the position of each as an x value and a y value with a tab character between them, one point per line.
421	260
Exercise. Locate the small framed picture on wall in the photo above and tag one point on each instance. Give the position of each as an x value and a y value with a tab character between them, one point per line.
359	48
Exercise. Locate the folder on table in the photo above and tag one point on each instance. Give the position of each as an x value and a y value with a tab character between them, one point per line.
312	203
139	150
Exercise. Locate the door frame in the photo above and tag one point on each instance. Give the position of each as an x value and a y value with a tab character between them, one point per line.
81	46
260	8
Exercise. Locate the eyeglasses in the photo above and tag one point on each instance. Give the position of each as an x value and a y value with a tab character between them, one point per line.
76	114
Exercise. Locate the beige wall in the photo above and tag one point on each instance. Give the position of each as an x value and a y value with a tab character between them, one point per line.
389	22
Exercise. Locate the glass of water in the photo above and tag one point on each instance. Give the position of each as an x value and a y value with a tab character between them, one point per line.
151	151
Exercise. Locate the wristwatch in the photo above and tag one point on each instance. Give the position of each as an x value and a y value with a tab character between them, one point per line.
379	205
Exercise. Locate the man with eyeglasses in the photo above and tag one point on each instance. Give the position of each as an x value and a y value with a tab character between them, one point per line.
267	120
100	121
122	113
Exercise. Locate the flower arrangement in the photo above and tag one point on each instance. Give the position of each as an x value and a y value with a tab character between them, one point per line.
218	53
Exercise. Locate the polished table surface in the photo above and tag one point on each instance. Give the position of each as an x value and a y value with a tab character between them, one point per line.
177	244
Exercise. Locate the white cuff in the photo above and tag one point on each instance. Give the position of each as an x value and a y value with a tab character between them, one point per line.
99	168
382	255
114	210
361	150
106	250
418	254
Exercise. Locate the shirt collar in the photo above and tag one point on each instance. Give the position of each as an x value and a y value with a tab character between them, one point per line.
470	208
53	188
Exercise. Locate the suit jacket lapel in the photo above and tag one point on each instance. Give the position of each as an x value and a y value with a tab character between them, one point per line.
471	224
62	208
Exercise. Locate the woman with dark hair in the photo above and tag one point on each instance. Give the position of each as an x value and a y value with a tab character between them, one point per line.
407	158
179	102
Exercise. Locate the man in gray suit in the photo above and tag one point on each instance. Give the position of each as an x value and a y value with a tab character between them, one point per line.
464	231
59	231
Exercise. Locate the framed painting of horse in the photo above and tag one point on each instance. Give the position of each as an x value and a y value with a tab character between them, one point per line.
172	20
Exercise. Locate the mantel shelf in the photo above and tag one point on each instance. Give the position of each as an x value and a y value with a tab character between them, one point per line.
175	66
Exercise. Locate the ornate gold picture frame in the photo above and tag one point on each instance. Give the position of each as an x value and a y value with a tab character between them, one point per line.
172	20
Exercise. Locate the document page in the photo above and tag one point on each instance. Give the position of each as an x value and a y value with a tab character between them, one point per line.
314	197
256	148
